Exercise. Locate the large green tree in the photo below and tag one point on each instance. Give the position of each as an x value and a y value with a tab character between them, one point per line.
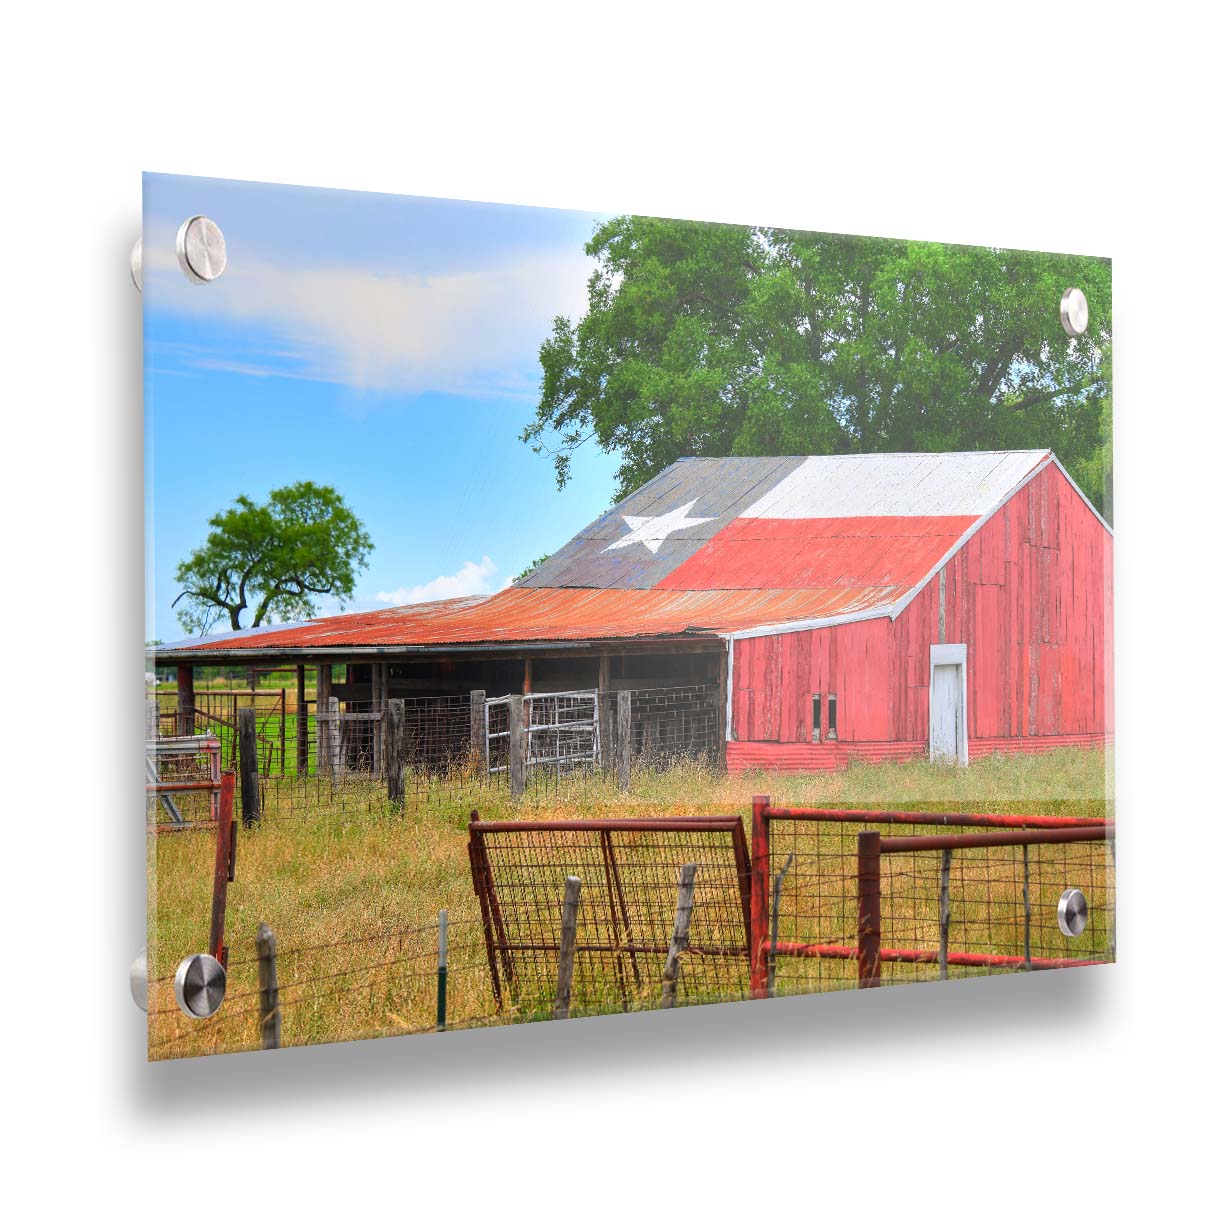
704	339
273	557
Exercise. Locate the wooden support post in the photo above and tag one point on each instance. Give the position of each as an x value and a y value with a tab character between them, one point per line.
605	673
869	908
395	751
720	721
378	705
518	748
569	939
945	911
248	765
269	995
323	752
624	737
480	745
302	724
680	933
186	701
152	720
284	714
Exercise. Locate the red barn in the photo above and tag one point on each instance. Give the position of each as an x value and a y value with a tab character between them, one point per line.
873	606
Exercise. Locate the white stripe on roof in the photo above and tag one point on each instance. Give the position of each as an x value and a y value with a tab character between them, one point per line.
854	486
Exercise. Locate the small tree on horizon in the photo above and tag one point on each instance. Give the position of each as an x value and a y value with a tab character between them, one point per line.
275	558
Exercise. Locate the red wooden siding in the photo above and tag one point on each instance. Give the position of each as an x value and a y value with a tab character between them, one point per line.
1031	596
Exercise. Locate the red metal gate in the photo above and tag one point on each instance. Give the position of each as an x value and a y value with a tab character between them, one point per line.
819	918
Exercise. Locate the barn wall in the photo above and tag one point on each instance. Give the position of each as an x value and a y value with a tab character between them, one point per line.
1030	594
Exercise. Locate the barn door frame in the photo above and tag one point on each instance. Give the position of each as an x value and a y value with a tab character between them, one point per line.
950	654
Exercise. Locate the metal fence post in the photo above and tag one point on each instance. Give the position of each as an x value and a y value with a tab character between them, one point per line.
248	765
624	737
223	868
945	911
680	933
569	937
869	908
518	754
442	950
775	909
394	755
758	926
1028	915
269	995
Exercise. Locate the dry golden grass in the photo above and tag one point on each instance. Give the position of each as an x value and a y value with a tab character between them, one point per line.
352	890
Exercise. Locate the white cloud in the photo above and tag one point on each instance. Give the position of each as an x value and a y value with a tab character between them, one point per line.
468	331
473	578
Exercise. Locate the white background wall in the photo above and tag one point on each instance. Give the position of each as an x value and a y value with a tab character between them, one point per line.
1059	127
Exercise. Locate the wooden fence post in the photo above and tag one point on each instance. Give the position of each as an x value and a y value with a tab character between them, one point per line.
569	937
680	933
302	726
152	720
624	737
334	757
518	753
394	725
607	732
248	765
269	995
480	745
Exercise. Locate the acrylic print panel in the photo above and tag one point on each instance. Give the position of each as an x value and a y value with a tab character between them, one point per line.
553	613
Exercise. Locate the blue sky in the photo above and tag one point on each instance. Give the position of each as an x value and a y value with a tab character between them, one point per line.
386	345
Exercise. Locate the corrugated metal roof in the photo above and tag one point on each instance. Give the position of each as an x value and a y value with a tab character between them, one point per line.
520	614
716	546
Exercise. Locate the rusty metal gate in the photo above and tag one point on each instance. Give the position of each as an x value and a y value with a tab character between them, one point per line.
560	731
629	868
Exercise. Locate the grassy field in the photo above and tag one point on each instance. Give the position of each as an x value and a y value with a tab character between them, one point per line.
352	890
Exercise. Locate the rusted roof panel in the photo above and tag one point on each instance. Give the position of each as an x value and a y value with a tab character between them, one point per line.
558	614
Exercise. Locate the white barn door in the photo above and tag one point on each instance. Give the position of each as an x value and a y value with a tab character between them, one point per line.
949	728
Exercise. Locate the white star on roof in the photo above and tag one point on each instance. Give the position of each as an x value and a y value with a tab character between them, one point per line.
653	531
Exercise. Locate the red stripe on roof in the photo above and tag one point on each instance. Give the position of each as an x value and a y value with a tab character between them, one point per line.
893	551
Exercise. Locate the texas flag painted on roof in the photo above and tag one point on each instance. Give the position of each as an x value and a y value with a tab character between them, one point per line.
714	547
873	522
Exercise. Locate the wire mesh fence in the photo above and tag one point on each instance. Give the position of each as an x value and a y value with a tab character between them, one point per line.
672	725
383	983
336	756
808	940
182	783
629	871
924	903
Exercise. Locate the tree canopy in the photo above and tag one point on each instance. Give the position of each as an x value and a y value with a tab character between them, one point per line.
274	558
704	339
